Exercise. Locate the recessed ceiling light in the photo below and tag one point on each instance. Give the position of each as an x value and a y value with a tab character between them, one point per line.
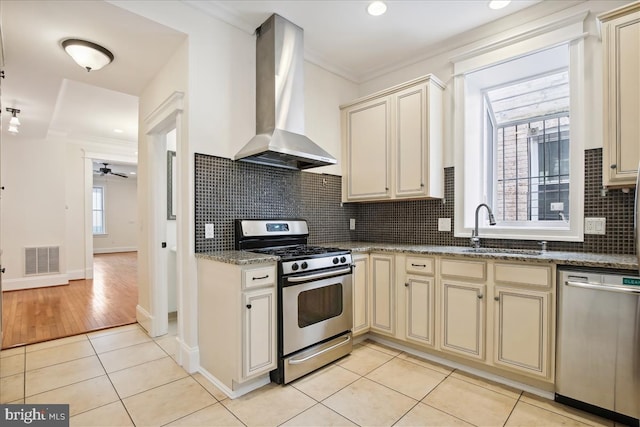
118	130
377	8
498	4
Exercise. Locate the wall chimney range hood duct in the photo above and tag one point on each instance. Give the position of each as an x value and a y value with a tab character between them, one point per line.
280	139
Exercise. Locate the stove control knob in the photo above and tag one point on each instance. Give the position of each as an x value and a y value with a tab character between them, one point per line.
294	266
336	260
304	265
343	259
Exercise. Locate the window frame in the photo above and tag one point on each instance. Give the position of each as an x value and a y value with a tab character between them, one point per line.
570	32
103	232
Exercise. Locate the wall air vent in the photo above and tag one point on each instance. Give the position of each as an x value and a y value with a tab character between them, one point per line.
41	260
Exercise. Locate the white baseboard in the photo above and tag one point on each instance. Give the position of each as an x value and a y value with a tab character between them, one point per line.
114	250
88	273
35	282
144	318
477	372
242	390
76	274
188	357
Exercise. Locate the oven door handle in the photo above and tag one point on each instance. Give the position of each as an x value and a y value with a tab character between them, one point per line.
298	279
324	350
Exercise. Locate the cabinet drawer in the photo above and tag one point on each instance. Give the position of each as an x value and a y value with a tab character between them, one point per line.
420	265
466	269
258	277
536	275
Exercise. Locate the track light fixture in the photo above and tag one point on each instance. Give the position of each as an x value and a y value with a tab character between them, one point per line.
14	122
88	55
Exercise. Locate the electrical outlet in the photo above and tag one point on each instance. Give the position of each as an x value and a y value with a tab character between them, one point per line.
208	231
595	225
444	224
352	224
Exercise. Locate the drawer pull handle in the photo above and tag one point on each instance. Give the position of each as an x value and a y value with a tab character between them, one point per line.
260	278
418	265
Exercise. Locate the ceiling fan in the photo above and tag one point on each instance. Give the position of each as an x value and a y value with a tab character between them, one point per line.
107	171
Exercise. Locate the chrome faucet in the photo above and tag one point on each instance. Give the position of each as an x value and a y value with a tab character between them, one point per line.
475	238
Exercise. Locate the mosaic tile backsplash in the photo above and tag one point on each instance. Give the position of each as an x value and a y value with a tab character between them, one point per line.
226	190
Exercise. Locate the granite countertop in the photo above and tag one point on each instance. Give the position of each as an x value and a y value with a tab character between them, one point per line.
578	259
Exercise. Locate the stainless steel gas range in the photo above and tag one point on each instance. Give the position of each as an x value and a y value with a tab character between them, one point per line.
314	295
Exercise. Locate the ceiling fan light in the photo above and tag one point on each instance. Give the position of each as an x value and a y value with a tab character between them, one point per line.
498	4
88	55
13	129
376	8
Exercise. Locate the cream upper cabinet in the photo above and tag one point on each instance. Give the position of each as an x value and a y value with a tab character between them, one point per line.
368	150
621	57
392	143
521	330
360	294
383	301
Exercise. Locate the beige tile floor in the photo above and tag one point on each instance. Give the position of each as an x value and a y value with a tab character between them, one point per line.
121	377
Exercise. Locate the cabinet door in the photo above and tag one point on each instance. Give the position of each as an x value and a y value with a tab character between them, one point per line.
521	330
382	294
360	294
621	42
463	318
420	309
259	332
410	142
368	145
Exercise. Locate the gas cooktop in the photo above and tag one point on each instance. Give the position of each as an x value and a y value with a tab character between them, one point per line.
293	252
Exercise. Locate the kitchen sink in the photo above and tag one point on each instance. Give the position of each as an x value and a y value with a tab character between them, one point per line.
503	251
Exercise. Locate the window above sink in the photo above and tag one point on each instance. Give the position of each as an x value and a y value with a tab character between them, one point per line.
519	126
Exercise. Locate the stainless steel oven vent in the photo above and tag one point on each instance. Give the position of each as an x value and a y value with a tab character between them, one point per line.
280	139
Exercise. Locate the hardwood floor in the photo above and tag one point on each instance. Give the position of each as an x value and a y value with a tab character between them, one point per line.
43	314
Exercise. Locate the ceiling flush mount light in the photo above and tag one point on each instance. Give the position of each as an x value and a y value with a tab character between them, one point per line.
377	8
14	122
498	4
88	55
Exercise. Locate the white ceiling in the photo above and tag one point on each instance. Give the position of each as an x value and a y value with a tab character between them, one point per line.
57	95
344	38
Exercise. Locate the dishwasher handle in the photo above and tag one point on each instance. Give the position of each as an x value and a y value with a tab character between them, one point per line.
608	288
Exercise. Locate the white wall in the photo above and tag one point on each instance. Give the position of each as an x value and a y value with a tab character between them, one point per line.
121	215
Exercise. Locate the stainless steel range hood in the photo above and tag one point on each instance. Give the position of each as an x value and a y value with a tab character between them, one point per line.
280	139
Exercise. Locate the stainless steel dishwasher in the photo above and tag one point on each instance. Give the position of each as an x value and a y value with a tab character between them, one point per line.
598	342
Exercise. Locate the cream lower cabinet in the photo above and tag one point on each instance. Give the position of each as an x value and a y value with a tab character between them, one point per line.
258	332
236	322
420	294
463	318
419	300
383	290
523	318
360	288
521	330
621	58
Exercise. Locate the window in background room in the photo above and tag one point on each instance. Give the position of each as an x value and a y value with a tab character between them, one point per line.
98	211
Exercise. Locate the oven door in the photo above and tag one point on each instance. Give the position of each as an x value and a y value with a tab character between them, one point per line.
315	307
